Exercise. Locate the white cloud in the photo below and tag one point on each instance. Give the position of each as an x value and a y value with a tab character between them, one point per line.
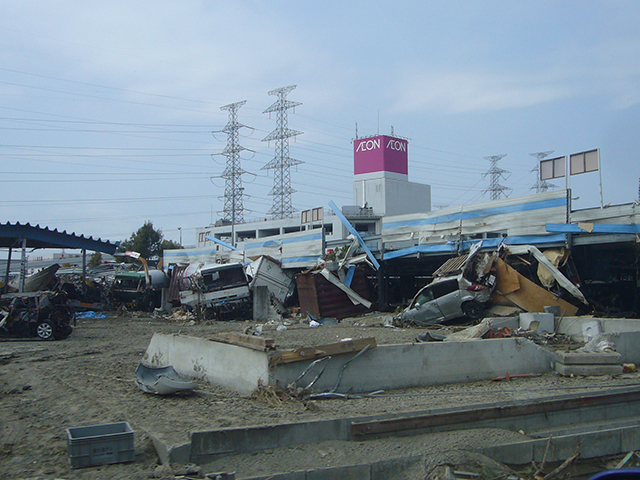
463	92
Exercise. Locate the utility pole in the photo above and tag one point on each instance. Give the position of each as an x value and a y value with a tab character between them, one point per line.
495	174
541	185
233	190
282	162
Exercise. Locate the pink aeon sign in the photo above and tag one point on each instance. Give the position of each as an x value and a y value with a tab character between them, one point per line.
380	154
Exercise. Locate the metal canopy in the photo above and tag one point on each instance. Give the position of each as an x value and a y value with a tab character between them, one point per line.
12	235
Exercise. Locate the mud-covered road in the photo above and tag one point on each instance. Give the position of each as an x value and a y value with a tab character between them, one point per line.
87	379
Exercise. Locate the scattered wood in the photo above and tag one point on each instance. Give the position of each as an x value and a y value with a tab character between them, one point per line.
250	341
626	458
564	465
508	377
540	470
318	351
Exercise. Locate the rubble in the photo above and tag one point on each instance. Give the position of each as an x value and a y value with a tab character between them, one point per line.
537	335
162	380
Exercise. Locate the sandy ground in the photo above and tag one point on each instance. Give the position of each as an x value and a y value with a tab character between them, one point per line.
87	379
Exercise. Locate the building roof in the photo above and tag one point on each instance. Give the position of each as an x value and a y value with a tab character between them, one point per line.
12	235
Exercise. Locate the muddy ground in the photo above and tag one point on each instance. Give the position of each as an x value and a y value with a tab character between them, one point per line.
87	379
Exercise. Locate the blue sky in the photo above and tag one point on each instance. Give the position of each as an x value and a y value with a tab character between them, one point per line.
107	108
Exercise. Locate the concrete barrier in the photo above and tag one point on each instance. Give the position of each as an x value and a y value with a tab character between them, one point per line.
390	367
238	368
386	367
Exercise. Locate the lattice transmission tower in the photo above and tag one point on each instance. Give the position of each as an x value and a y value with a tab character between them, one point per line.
232	174
541	185
282	162
495	174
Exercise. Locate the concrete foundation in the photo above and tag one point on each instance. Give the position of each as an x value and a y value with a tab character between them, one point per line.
587	370
238	368
605	424
386	367
390	367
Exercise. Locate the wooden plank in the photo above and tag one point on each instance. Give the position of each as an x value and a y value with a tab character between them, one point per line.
242	340
318	351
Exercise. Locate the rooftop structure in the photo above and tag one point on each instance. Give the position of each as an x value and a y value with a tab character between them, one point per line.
381	177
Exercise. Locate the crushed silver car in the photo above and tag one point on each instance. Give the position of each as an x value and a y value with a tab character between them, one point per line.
462	287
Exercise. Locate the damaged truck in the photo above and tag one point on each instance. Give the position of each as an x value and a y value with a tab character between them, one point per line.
139	289
226	289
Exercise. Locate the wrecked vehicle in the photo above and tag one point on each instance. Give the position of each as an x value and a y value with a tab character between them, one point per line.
521	276
228	287
462	287
142	290
447	299
222	287
42	315
268	272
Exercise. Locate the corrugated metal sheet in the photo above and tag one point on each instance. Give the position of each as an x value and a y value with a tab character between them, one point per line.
321	299
520	216
452	265
185	256
173	293
293	250
625	214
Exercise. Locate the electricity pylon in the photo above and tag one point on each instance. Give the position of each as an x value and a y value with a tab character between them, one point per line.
282	162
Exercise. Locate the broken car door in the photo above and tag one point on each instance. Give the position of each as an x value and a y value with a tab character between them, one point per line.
425	308
447	295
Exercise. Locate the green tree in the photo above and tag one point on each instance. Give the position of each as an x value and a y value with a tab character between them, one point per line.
95	260
147	241
171	245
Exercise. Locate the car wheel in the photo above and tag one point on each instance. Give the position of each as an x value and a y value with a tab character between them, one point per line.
473	310
45	330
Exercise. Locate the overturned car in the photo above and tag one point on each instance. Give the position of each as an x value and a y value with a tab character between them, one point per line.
447	299
43	315
518	276
462	287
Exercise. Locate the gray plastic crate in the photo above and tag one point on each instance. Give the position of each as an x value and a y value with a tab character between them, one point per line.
100	444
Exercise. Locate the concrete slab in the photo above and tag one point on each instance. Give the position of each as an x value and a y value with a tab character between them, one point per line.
238	368
206	445
540	322
389	367
588	370
626	342
385	469
351	472
587	358
592	445
580	329
261	303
